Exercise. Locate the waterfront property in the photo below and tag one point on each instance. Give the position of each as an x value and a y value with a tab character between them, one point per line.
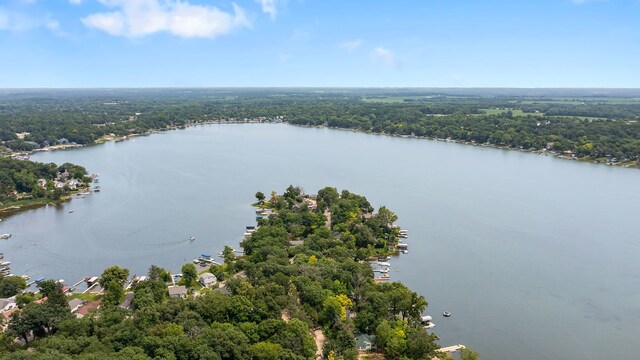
179	291
207	280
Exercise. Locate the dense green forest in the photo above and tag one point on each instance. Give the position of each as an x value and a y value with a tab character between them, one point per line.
272	300
19	179
584	124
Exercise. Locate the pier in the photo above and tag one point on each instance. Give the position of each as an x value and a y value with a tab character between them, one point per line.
450	349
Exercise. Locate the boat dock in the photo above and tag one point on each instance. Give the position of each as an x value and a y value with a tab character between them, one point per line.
450	349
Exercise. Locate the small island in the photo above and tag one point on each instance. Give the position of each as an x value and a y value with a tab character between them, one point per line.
303	288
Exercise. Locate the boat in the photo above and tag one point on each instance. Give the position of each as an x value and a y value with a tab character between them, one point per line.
426	319
5	236
191	238
383	271
384	263
402	246
39	280
5	263
71	211
446	314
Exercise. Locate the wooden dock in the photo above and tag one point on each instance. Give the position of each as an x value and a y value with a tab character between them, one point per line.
451	348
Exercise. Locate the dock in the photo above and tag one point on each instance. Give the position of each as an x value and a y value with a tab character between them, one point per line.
451	348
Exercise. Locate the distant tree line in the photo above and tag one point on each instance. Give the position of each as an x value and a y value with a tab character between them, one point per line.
60	116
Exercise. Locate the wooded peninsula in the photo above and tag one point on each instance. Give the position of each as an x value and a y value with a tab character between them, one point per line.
303	289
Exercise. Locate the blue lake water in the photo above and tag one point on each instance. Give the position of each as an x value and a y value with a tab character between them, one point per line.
535	257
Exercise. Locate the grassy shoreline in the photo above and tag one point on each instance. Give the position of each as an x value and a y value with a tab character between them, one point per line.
16	207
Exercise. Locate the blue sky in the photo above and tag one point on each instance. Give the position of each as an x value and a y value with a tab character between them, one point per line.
379	43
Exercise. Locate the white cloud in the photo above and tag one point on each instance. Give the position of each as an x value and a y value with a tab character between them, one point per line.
137	18
75	2
14	21
53	25
352	45
385	56
270	7
19	22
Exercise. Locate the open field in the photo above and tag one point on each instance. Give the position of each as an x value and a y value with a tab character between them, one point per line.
515	112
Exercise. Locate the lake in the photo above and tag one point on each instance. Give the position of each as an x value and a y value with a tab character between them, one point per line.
535	257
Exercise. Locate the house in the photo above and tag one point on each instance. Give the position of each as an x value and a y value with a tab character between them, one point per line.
178	291
73	183
365	342
207	279
85	309
6	316
42	182
75	304
7	304
128	301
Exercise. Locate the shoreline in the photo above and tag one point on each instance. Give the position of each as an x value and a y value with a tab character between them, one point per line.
620	164
20	206
107	138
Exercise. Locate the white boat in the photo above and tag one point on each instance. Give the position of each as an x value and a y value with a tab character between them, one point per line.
384	263
5	236
5	263
191	238
446	314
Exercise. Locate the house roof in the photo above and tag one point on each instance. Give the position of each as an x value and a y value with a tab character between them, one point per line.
7	314
5	302
177	290
86	308
208	276
75	303
128	300
364	339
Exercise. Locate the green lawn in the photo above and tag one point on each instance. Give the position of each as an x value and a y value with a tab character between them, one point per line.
85	297
579	117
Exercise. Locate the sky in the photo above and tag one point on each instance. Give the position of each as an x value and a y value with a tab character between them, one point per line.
319	43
